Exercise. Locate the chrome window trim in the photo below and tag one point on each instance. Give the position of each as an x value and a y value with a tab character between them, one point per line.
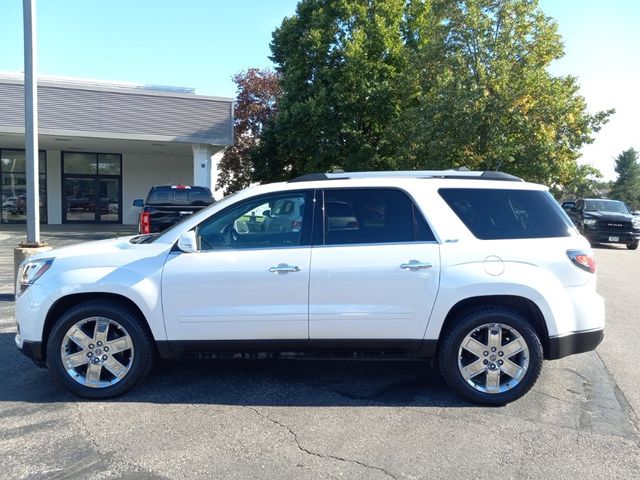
343	245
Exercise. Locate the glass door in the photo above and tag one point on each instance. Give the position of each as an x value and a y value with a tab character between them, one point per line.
80	196
92	187
109	200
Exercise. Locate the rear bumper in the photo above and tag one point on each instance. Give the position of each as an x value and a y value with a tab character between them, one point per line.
577	342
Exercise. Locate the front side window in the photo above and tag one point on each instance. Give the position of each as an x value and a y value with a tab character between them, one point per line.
282	220
495	214
372	215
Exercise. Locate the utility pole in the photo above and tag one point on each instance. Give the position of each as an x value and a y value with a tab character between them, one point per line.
31	123
33	245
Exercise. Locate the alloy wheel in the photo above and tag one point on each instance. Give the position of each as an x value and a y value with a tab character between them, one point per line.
493	358
97	352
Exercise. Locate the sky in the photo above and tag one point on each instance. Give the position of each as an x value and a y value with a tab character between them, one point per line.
203	43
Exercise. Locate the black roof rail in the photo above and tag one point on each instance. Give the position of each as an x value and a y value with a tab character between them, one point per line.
310	177
495	175
451	174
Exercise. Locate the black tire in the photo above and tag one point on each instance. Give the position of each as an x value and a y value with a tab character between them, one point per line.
478	326
632	246
129	349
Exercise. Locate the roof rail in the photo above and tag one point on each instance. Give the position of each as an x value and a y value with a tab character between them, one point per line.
452	174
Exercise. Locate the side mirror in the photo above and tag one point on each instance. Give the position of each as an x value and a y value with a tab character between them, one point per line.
138	202
573	209
266	213
187	242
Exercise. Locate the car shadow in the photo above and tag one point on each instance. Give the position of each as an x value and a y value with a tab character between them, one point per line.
282	382
609	246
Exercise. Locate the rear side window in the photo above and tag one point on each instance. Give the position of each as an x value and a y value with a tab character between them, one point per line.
372	215
507	214
180	196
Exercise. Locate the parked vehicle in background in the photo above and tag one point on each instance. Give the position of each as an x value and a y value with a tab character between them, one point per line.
568	205
479	269
602	220
166	205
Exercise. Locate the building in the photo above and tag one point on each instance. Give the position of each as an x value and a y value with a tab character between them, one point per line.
104	144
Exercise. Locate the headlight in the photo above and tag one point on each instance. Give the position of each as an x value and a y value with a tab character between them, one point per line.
636	222
590	221
30	271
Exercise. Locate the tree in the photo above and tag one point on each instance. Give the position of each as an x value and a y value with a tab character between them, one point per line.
493	105
341	64
409	84
585	181
255	105
627	185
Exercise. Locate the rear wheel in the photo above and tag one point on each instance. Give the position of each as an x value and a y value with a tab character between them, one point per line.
632	246
99	349
492	356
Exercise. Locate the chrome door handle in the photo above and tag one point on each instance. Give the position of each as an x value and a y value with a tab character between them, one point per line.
284	268
415	265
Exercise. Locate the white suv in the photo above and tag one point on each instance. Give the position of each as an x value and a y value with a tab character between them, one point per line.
478	269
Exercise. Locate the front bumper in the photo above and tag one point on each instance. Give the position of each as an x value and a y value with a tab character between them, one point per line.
604	236
32	350
570	344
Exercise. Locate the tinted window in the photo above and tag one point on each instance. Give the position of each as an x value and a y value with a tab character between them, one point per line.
265	222
503	214
371	216
180	196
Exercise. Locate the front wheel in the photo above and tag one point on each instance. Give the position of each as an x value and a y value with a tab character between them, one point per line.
99	349
492	356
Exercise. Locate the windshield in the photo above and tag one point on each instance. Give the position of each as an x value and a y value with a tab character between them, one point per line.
605	206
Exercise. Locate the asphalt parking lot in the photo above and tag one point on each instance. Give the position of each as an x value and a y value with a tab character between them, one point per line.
333	419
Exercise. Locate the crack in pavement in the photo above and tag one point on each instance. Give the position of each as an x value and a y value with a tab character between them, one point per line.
553	397
104	459
87	432
621	397
316	454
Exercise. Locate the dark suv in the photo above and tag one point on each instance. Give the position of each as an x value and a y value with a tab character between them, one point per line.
167	204
606	221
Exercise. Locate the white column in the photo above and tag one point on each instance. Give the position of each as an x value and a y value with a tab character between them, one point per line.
202	166
205	166
215	160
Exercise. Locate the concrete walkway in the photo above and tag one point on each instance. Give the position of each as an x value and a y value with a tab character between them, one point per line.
51	233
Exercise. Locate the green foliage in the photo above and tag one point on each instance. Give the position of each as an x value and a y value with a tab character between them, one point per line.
627	185
584	181
494	105
415	84
255	107
341	63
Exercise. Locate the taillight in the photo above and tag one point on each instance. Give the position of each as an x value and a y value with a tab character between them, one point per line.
583	259
145	222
